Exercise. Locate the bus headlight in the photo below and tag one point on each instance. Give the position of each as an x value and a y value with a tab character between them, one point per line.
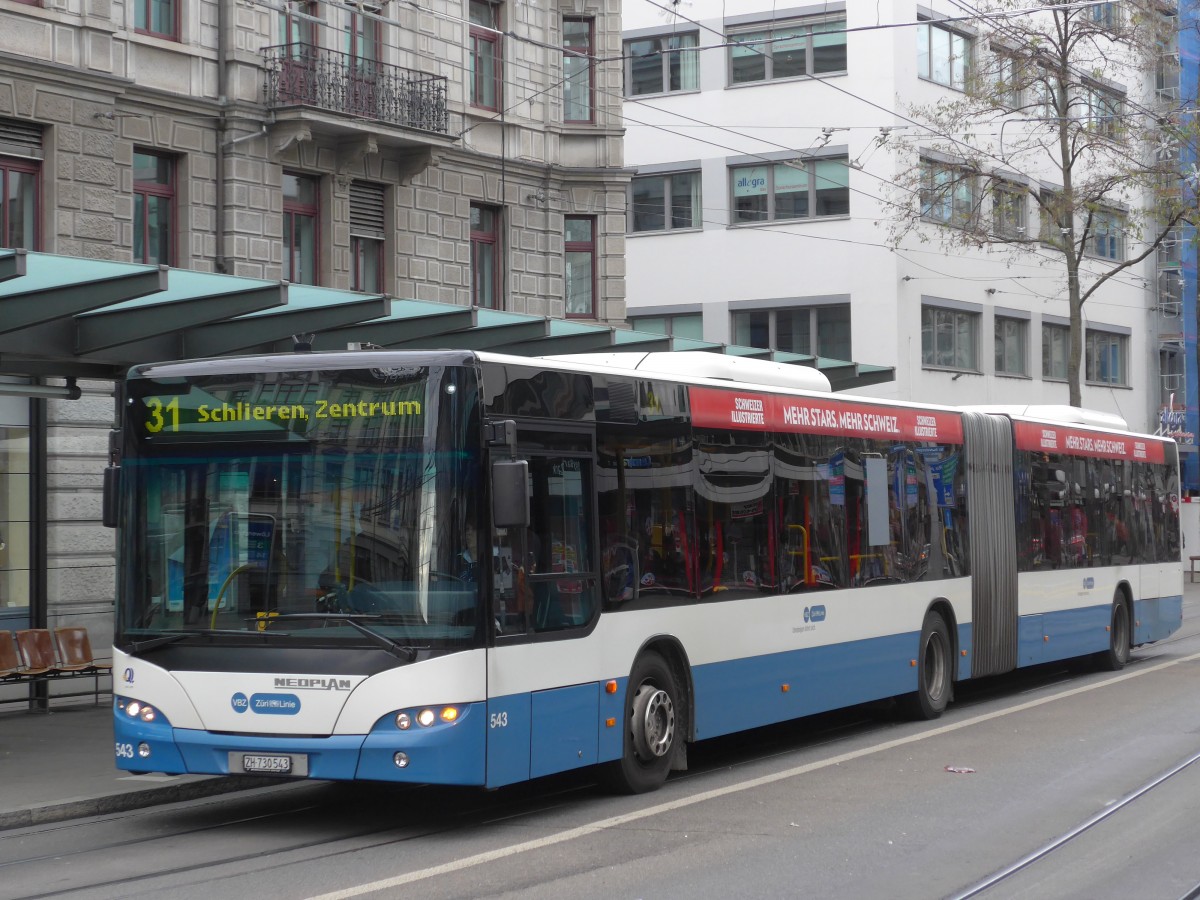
135	709
427	717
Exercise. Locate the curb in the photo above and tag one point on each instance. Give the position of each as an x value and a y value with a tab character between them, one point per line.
114	803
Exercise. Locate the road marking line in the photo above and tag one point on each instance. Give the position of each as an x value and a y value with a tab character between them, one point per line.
683	802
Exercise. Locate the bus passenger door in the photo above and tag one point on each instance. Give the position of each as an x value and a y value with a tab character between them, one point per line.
543	675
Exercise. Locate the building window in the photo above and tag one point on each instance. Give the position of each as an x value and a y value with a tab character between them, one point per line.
1008	211
1108	235
363	47
577	70
363	41
787	50
949	339
661	65
19	213
1167	73
813	330
682	325
1171	371
1102	110
1106	15
1051	230
1045	96
153	208
1056	351
943	56
1012	346
301	215
579	245
485	257
802	189
1104	356
947	194
664	202
368	219
485	62
297	23
1007	75
156	17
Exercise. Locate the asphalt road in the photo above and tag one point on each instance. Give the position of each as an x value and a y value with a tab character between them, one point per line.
858	805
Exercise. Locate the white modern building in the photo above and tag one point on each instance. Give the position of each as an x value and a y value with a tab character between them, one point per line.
768	143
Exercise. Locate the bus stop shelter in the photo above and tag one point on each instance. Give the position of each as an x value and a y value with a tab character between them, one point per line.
66	320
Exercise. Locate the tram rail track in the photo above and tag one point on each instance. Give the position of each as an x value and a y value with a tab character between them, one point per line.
1048	849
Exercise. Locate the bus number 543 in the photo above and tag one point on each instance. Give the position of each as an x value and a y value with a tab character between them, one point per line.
498	720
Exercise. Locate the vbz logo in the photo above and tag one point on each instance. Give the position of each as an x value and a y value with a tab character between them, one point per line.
239	702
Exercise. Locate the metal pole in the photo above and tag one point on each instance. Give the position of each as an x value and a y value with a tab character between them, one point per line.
39	606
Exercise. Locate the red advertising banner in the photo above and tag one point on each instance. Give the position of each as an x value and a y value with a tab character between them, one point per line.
754	411
1083	442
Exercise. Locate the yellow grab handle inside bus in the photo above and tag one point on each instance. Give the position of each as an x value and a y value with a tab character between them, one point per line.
221	592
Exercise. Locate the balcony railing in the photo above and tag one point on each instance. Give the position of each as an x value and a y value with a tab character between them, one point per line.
304	75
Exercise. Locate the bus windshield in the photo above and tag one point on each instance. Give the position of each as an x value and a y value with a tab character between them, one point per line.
302	507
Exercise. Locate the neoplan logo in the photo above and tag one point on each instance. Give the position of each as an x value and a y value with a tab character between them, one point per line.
315	684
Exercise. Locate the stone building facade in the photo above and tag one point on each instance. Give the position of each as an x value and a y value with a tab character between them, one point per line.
468	152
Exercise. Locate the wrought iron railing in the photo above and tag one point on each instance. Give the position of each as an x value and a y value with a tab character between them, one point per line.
304	75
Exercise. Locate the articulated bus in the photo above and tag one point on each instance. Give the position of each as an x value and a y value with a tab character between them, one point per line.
449	567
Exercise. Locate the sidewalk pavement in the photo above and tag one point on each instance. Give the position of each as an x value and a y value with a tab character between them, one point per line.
58	765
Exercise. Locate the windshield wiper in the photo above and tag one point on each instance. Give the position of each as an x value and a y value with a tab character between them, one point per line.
172	637
394	647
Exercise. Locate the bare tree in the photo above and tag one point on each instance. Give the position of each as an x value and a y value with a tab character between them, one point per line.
1047	121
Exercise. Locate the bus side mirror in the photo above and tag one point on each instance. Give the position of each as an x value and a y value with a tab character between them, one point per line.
108	509
510	493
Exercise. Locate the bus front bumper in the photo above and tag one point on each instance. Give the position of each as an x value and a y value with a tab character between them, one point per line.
442	753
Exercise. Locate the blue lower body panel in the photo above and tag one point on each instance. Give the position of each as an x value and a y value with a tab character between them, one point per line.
555	730
1156	618
1066	634
747	693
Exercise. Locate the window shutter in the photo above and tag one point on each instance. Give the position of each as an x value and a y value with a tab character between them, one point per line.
18	138
366	209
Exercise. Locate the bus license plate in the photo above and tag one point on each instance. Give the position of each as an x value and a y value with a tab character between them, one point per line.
276	765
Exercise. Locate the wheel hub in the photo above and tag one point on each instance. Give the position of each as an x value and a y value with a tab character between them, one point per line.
653	722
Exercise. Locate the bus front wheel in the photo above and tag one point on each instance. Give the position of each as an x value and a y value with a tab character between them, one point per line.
934	670
651	732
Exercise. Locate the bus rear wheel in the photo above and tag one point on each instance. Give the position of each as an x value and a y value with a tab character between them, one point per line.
650	733
934	671
1114	658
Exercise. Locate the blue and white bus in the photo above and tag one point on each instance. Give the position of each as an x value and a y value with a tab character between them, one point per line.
462	568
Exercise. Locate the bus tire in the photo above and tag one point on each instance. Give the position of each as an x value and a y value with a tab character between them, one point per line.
651	728
1114	658
935	680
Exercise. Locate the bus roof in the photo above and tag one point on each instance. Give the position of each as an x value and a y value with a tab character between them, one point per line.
695	364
